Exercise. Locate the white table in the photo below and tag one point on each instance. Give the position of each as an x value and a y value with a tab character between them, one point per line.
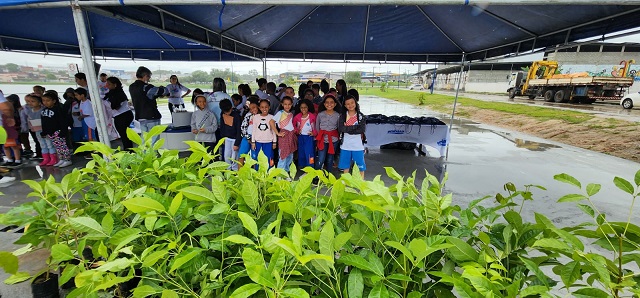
175	140
435	136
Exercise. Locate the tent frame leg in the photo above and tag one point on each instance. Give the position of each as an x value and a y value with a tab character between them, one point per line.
455	103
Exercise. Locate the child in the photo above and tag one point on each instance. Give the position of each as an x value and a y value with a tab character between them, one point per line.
35	125
264	136
305	128
176	93
327	127
86	115
230	129
287	141
54	128
204	124
77	134
352	127
12	144
246	128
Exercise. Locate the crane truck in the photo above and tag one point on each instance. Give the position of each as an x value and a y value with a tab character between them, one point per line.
541	80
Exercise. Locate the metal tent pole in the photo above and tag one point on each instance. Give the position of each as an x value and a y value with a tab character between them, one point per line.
85	51
455	102
264	69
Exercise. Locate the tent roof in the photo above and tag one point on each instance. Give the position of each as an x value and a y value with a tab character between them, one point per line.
385	33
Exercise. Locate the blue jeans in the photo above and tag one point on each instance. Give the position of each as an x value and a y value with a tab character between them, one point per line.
306	151
147	125
45	144
324	154
285	163
267	149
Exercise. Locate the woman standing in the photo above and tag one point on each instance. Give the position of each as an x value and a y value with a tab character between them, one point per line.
122	115
176	93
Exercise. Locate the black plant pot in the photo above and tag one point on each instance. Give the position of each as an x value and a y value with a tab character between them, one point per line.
45	288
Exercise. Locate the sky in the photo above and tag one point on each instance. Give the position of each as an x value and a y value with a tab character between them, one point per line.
273	67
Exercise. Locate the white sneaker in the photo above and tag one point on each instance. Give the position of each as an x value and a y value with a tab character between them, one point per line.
65	163
57	164
7	179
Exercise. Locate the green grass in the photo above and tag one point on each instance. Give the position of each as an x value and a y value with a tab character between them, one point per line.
443	103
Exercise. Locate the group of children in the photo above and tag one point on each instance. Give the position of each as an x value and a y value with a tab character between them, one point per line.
316	136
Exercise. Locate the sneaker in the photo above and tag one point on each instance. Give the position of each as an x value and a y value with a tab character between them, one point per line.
57	164
65	163
7	179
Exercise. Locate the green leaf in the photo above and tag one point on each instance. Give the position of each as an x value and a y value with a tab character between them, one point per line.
308	258
296	237
115	265
327	235
589	292
144	291
239	239
624	185
359	262
8	262
124	237
169	293
355	284
379	291
391	172
636	178
16	278
143	205
246	291
250	194
256	268
533	290
550	243
88	225
587	209
248	223
462	251
295	292
341	240
175	204
69	272
183	258
337	193
107	224
574	197
134	137
61	252
198	193
405	251
566	178
533	267
151	259
593	189
570	273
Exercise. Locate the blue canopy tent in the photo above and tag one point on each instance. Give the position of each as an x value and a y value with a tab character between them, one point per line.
409	31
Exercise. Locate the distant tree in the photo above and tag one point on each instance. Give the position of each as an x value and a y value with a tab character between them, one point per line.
290	81
51	76
353	78
12	67
200	76
254	73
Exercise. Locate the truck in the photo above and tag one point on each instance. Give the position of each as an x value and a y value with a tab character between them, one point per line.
542	80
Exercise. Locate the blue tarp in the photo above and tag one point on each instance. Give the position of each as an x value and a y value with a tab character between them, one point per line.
414	33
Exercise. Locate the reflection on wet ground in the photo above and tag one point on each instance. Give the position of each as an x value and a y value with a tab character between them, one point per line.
526	144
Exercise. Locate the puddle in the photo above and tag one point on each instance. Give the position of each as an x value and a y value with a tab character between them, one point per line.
526	144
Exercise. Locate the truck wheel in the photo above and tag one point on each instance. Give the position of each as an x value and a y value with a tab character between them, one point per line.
548	96
532	97
559	96
512	93
587	100
627	103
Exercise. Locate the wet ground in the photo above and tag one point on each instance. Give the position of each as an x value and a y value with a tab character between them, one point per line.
481	159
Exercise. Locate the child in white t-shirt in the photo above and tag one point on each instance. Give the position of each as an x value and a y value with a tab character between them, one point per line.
351	128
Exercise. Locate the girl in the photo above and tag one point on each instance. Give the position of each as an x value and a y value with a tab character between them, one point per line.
352	127
77	134
327	127
121	113
35	125
245	91
54	128
12	145
230	129
176	93
341	89
286	137
204	124
246	128
305	128
262	87
24	128
264	137
87	116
